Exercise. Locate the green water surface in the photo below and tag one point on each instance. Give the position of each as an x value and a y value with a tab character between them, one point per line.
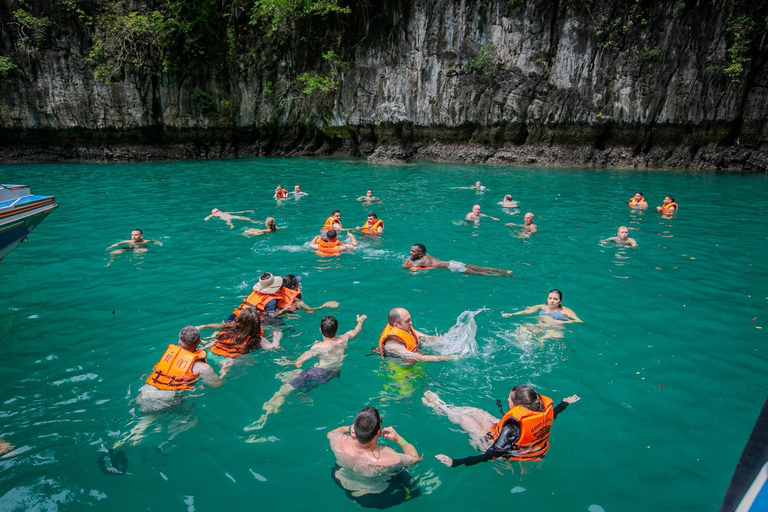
670	362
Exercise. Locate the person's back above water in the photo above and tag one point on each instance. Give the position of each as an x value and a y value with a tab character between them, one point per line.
356	446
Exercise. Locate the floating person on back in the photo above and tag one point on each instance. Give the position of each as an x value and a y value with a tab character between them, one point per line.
374	476
475	215
280	193
330	354
271	228
330	245
369	198
638	201
228	217
297	193
137	244
400	339
669	207
529	227
521	434
373	226
621	238
552	316
420	260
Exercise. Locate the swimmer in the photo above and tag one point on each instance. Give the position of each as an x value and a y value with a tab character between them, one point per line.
420	260
280	193
400	339
368	197
332	222
373	226
178	370
521	434
529	227
507	202
297	193
475	215
137	244
364	467
271	228
291	287
477	186
330	245
638	201
669	206
330	354
621	238
228	217
550	319
241	336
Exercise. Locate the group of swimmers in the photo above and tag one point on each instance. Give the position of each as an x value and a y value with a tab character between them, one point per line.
522	432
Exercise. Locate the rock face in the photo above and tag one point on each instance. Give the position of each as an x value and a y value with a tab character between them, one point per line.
589	82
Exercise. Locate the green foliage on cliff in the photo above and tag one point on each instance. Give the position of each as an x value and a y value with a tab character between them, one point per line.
272	13
485	60
740	28
32	30
6	66
325	83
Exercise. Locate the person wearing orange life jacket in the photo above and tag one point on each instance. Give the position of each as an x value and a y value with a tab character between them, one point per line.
280	193
330	245
241	336
400	339
521	434
333	222
669	206
293	300
638	201
373	226
420	260
178	369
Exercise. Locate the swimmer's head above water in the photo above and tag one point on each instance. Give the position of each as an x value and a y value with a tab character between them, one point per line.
270	222
367	425
330	235
418	251
137	235
527	397
555	299
189	338
329	326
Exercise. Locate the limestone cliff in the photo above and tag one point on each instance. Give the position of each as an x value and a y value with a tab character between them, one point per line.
596	82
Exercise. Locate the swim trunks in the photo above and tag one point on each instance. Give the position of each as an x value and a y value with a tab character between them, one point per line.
456	266
313	377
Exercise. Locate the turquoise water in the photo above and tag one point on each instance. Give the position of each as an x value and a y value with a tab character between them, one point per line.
670	362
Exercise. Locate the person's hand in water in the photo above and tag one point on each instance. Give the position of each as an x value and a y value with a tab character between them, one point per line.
444	459
571	399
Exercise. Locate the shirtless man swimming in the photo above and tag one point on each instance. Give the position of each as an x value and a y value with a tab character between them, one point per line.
475	215
330	353
529	227
420	260
297	193
621	238
228	216
137	244
368	197
364	466
507	202
477	186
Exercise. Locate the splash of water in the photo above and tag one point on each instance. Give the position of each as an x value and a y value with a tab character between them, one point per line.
460	339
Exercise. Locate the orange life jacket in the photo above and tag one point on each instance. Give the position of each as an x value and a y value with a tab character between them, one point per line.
289	296
635	202
534	431
669	206
420	268
409	339
325	247
174	370
372	229
329	222
227	346
283	194
259	301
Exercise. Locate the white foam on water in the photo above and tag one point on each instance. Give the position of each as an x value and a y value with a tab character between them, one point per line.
595	508
189	501
77	378
34	316
164	477
517	490
98	495
460	339
230	477
257	476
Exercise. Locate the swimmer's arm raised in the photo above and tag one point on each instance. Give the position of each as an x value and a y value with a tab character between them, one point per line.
338	431
354	332
408	448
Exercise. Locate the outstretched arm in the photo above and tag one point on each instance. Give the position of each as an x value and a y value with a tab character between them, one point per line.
526	311
155	242
265	344
306	356
118	243
398	350
484	215
354	332
569	312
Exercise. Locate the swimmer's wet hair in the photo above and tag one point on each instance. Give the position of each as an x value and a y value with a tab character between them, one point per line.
373	215
422	247
367	424
190	335
558	292
525	396
140	231
331	233
334	212
329	326
671	198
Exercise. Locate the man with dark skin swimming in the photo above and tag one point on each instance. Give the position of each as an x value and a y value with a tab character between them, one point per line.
420	260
